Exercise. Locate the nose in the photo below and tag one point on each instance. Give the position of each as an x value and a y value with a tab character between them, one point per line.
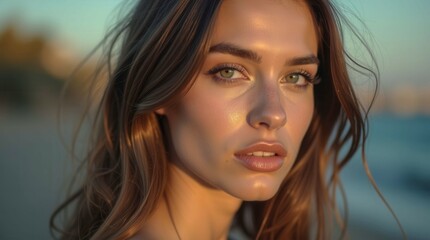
268	111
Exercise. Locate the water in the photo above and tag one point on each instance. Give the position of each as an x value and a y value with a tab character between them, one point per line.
399	157
33	166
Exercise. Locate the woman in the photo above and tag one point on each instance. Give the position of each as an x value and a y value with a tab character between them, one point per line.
220	117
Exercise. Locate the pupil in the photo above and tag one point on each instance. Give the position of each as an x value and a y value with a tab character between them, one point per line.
227	73
294	78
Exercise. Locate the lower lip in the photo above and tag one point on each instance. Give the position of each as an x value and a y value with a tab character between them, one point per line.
261	164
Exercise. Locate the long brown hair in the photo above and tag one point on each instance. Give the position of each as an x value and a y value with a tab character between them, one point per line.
163	45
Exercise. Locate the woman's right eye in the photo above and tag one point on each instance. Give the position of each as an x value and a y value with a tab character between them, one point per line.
228	73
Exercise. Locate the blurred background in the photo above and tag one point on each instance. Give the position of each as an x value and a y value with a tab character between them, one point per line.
42	42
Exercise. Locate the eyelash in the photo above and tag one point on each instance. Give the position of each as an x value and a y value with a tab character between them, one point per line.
215	70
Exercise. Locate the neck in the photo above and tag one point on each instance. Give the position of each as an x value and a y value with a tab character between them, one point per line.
192	210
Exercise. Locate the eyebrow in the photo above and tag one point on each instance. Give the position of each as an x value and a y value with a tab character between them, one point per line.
311	59
237	51
234	50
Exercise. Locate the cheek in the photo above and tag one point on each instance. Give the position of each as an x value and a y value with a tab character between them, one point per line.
201	125
210	115
299	117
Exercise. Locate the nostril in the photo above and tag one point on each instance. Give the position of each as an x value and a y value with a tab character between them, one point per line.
263	124
266	118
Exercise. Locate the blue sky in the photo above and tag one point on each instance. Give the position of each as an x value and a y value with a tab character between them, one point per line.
81	23
400	29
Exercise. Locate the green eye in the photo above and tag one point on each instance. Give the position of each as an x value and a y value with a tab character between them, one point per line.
297	78
227	73
292	78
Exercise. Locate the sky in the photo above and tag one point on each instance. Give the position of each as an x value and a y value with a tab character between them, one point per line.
400	30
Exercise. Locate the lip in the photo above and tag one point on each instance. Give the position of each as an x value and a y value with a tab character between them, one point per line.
260	163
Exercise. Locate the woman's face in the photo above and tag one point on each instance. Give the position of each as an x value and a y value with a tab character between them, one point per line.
240	126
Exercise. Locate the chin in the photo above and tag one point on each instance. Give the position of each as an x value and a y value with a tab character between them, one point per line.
258	190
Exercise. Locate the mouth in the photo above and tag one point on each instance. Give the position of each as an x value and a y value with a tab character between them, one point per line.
262	157
261	154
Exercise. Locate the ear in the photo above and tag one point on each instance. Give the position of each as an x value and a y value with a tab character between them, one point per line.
160	111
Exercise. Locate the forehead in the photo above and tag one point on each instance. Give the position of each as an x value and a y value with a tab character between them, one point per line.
280	23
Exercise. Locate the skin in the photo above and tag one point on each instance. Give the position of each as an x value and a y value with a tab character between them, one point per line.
242	102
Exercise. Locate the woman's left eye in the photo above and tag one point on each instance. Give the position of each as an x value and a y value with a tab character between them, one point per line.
299	79
295	78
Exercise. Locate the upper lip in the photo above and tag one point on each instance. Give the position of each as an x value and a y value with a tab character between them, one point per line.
276	148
